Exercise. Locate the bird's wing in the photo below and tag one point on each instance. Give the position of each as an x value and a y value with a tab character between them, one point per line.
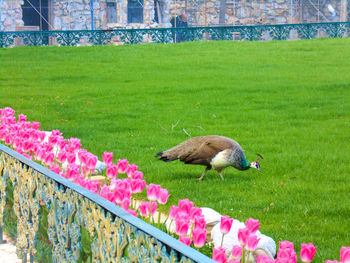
202	149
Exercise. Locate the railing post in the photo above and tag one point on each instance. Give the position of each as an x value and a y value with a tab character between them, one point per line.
114	234
164	35
3	199
1	39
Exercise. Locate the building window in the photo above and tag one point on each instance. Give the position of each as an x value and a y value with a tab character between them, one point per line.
158	11
111	12
135	11
36	13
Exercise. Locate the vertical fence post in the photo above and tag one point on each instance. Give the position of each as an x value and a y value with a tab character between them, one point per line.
92	14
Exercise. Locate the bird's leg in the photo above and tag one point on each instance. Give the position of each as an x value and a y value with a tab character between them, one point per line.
220	173
203	174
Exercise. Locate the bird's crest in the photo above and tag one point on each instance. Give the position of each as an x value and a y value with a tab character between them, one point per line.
259	157
257	164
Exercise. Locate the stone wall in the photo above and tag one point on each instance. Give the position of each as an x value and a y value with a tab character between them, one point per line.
245	12
76	14
11	15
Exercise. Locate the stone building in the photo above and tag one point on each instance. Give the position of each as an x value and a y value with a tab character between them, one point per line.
18	15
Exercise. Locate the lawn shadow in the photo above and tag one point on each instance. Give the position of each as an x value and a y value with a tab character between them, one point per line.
212	176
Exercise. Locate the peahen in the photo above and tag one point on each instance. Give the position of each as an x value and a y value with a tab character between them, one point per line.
213	151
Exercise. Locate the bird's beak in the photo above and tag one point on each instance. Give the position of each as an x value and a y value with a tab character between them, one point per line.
258	165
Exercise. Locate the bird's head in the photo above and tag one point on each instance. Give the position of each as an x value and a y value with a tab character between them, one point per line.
256	164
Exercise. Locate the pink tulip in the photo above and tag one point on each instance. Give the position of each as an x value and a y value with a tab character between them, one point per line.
252	242
63	174
307	252
106	193
107	157
62	156
22	118
120	184
182	225
132	212
234	261
35	125
243	235
137	185
252	224
131	168
122	165
119	194
185	239
27	145
125	204
199	222
331	261
173	212
82	155
8	112
225	225
71	158
219	255
91	161
61	143
237	252
286	244
153	207
195	211
185	205
78	178
49	158
56	132
74	144
55	168
134	185
8	139
72	171
153	192
48	147
53	139
163	196
199	236
264	259
182	215
41	135
144	209
287	253
112	171
345	255
137	175
93	186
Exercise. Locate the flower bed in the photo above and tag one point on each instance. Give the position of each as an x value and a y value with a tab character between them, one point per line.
122	181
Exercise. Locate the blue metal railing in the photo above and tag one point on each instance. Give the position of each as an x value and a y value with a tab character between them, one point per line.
116	235
169	35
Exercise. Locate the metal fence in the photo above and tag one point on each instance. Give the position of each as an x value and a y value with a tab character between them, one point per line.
169	35
116	235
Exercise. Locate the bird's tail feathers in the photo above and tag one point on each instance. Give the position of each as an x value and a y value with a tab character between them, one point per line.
159	154
164	157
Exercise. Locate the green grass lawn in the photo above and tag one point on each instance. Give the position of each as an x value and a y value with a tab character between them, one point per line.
289	101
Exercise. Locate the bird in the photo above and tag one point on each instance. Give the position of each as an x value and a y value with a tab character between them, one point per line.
213	151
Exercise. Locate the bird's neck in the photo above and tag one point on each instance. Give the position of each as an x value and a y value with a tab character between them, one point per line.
238	160
245	164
